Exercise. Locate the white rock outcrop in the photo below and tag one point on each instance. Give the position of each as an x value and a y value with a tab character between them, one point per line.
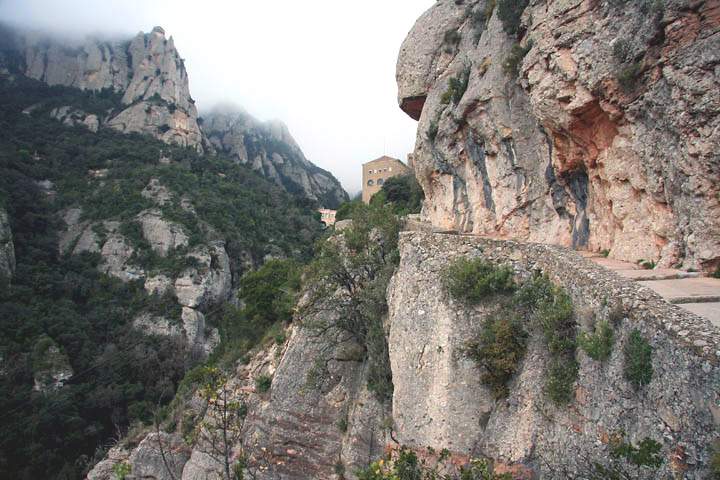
207	283
147	70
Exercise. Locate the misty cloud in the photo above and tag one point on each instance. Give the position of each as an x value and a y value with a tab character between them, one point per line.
325	68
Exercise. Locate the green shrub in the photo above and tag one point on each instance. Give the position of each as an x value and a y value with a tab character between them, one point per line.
263	383
405	465
403	194
474	280
605	253
716	273
598	345
456	87
451	39
121	470
555	317
646	454
499	350
621	50
629	75
509	12
345	210
560	380
638	368
432	131
511	64
647	264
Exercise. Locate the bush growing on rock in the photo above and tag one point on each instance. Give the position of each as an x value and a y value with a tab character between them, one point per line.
638	368
499	349
263	383
349	276
474	280
456	87
598	345
404	464
509	12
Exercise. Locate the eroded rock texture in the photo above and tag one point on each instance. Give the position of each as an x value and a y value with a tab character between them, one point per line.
607	140
296	430
440	402
147	70
270	149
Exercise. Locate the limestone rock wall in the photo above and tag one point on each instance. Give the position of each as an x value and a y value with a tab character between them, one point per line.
440	402
147	70
607	140
270	149
292	431
7	249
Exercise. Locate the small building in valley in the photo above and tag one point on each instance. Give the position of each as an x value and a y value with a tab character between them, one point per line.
327	216
375	173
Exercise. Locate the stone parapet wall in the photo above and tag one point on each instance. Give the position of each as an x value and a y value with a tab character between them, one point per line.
439	400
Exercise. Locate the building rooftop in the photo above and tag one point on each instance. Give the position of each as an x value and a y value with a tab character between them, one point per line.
384	158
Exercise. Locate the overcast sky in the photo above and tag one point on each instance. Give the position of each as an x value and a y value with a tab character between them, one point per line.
324	67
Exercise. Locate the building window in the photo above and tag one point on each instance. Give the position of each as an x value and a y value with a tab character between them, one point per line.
370	183
380	181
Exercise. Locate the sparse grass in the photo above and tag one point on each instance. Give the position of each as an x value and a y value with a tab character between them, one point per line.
598	345
474	280
638	368
715	462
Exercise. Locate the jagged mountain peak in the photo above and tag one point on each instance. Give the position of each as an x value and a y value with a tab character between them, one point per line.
150	74
270	149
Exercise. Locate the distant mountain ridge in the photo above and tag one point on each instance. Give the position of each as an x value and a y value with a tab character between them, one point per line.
150	80
271	150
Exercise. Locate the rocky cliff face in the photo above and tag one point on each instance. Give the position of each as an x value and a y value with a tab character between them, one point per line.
310	426
590	124
147	70
296	430
271	150
205	282
440	401
7	249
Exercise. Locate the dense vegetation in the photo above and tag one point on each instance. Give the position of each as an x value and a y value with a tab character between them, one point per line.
120	376
401	195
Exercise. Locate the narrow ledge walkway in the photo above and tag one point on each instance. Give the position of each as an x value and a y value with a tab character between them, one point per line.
697	294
